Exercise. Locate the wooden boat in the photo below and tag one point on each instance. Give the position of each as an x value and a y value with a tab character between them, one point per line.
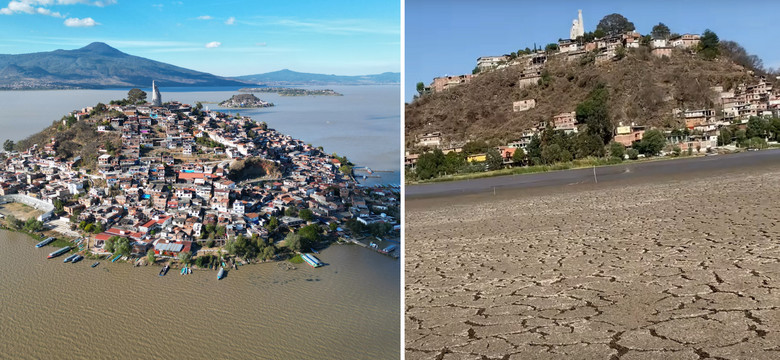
45	242
164	270
96	263
116	258
77	259
311	260
69	258
221	273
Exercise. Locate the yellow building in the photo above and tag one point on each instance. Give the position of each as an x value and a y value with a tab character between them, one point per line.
477	158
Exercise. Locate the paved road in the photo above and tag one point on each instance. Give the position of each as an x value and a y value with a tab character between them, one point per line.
630	172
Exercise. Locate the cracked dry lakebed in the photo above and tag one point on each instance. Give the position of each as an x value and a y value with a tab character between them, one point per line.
671	267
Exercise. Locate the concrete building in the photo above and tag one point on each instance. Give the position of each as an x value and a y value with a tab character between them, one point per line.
523	105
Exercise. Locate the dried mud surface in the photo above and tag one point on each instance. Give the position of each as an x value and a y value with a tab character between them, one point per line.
681	269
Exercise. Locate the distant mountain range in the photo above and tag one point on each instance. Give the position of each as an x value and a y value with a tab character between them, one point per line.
99	65
289	77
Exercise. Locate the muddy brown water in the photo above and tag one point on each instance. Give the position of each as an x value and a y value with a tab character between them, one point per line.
348	309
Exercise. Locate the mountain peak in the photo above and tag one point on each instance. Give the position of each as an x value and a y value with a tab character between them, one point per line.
101	48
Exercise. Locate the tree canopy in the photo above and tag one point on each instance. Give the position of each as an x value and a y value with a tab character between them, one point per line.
661	31
136	95
614	24
709	45
594	113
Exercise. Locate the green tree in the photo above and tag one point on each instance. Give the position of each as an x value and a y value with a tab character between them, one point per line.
757	143
333	226
306	215
453	162
535	150
122	246
420	88
551	48
291	211
428	164
725	137
620	52
709	47
184	257
8	145
109	245
617	150
615	24
594	113
633	154
475	70
33	225
756	127
774	128
588	145
660	31
494	160
518	156
272	224
293	241
269	252
653	141
309	235
136	95
741	137
554	153
475	147
150	256
676	151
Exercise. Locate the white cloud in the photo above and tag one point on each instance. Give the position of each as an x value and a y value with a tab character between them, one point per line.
213	44
44	11
261	44
76	22
204	17
29	6
230	21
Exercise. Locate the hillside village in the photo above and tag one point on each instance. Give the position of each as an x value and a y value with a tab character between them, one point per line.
186	178
726	106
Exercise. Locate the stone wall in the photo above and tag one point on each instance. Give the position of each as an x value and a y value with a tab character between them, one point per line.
30	201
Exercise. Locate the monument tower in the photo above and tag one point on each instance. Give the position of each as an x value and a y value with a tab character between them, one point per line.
577	27
156	100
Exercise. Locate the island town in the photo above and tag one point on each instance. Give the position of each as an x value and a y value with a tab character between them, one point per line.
727	115
190	187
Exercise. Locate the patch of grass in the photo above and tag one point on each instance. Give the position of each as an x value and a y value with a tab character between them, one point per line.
576	164
60	243
297	259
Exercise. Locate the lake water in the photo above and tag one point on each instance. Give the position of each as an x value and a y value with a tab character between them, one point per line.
364	124
349	309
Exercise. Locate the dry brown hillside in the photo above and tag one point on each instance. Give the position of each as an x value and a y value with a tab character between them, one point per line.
642	88
81	139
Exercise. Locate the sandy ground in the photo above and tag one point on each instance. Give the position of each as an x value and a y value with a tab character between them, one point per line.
667	269
20	211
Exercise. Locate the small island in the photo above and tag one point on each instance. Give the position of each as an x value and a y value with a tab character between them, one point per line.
283	91
245	101
183	187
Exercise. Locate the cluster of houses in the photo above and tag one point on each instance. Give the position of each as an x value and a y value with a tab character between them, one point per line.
735	106
166	201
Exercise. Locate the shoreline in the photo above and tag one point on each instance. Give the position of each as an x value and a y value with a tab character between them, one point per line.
626	171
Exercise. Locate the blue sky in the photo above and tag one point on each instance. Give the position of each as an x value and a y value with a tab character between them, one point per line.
224	37
445	37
